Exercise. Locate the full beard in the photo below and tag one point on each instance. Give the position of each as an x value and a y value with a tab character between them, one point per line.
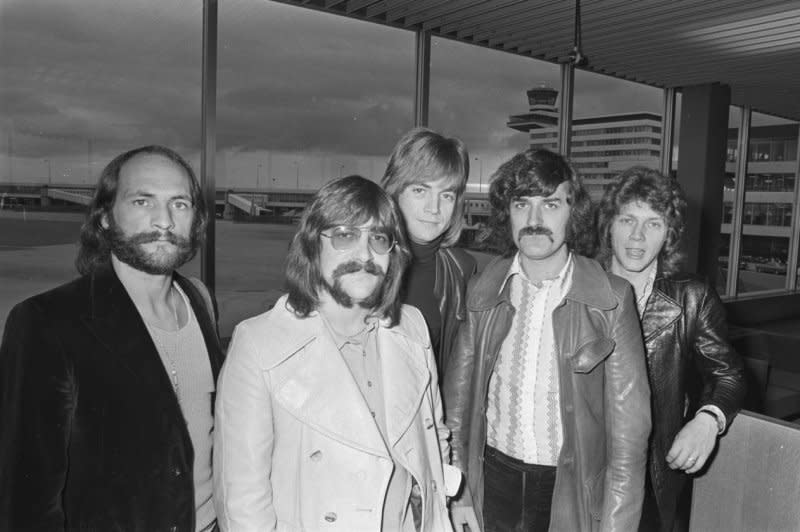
128	249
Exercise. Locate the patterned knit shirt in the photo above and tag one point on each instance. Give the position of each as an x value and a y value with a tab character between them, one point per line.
523	413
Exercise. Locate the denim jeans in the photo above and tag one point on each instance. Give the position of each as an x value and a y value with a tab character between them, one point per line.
517	495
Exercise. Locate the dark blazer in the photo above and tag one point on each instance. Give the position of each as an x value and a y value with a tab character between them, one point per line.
93	437
690	364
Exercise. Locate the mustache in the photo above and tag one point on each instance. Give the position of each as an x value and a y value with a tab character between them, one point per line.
356	266
156	236
532	230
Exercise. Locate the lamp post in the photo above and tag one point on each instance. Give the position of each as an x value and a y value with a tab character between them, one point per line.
480	178
258	175
297	175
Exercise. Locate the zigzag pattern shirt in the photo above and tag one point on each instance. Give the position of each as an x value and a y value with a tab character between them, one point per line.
523	412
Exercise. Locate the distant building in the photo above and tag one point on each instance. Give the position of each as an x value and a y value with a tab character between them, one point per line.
602	146
769	196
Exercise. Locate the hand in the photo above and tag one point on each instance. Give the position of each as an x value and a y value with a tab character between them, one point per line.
693	444
464	515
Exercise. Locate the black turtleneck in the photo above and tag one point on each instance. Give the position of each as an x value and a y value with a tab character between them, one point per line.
419	283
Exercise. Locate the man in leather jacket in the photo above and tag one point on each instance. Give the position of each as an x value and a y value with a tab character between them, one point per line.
546	391
695	375
427	177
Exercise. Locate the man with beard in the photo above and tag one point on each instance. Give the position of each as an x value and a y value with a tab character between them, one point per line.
108	381
546	390
328	414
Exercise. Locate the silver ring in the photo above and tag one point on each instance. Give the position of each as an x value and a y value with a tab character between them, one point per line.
693	459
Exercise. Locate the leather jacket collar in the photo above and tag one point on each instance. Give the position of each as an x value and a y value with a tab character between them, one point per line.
661	310
589	285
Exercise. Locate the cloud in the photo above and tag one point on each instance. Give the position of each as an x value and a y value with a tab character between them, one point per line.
121	74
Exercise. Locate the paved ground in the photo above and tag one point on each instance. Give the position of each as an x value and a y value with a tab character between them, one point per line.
37	253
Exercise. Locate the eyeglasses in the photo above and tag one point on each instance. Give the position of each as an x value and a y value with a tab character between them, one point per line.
345	238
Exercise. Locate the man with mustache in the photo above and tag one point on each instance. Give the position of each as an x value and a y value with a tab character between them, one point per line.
546	392
108	381
328	414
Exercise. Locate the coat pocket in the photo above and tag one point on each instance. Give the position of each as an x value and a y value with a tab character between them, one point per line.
590	354
595	491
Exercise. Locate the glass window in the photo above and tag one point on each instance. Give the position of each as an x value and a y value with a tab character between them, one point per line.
621	120
729	198
292	114
764	249
518	108
79	86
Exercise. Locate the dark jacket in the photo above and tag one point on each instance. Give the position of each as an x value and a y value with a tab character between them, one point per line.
454	268
690	364
604	396
93	437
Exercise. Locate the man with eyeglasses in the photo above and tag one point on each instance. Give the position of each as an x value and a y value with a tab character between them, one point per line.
328	412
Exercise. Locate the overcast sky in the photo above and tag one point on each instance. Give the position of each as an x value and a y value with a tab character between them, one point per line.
302	96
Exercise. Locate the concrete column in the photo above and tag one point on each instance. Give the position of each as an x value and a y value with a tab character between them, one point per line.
44	199
228	213
701	171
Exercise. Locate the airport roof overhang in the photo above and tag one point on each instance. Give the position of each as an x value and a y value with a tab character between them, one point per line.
753	46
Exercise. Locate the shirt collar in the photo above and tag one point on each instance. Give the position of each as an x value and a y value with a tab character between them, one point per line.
357	339
562	278
641	301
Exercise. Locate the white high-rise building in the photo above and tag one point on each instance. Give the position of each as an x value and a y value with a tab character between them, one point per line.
602	146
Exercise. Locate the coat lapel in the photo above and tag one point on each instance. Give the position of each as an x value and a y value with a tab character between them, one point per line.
660	312
312	382
117	325
315	385
405	379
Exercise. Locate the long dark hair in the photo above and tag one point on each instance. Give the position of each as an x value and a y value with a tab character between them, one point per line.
537	172
422	155
95	252
663	194
351	200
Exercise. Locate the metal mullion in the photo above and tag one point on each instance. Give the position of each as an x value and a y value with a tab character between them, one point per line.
423	78
208	140
667	130
740	181
794	243
565	108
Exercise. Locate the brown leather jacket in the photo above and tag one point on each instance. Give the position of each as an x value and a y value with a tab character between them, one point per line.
605	397
691	364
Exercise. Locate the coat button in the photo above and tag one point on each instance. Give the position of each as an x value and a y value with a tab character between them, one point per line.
433	485
316	456
330	517
568	407
428	423
177	471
